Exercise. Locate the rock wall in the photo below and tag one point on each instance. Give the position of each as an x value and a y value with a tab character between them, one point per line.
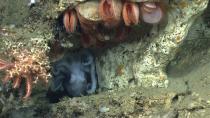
143	62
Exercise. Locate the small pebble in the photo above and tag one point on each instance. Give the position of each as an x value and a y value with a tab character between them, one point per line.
103	109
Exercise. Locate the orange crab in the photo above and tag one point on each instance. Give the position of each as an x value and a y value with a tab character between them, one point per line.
25	67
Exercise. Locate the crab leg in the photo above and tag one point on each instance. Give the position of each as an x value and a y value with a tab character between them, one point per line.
17	82
28	87
6	79
4	64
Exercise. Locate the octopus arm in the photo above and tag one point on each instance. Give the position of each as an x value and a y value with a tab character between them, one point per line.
56	84
86	58
93	79
89	67
59	74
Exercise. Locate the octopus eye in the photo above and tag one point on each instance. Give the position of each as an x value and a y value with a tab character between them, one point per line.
55	72
86	58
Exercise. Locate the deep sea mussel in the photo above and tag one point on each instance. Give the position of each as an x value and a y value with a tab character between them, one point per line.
110	20
74	75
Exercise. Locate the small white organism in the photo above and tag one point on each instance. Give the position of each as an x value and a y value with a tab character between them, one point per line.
31	2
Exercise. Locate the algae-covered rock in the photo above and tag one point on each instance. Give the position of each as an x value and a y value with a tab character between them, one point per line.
13	12
191	53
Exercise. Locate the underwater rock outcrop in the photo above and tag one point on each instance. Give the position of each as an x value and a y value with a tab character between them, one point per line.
143	62
121	66
143	59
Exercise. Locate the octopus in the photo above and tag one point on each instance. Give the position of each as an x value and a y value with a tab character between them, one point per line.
98	17
74	75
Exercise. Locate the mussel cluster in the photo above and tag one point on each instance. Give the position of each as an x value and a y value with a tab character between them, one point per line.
99	18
